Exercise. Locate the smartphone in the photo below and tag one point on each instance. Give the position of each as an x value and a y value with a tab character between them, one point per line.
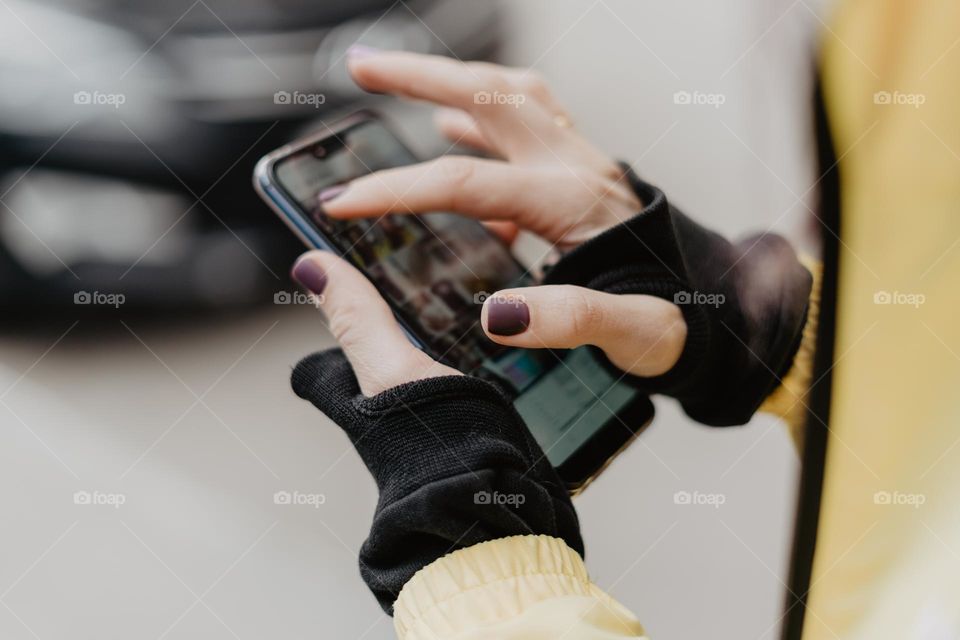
435	270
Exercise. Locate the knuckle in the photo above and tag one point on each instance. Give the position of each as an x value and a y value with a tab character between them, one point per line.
492	92
484	79
586	316
588	181
345	322
493	79
534	79
455	171
534	84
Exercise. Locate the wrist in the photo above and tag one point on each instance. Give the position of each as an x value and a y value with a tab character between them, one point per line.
618	203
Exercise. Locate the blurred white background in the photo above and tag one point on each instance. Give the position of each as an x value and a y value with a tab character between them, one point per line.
193	424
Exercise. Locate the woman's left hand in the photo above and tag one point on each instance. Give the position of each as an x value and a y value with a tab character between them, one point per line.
362	323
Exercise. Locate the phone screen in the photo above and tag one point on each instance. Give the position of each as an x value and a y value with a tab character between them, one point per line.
435	270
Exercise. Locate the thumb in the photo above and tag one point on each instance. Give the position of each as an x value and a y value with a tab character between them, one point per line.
642	335
361	321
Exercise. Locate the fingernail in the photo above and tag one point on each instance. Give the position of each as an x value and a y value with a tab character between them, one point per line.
328	194
361	51
507	316
310	275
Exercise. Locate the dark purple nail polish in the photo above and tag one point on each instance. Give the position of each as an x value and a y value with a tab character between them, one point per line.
360	51
310	275
507	316
328	194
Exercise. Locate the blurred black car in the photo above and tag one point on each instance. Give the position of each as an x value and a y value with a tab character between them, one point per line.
129	129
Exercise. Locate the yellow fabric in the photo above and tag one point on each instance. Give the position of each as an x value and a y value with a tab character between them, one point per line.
883	569
529	587
789	400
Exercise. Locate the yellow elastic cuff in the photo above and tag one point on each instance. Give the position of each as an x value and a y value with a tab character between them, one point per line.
789	400
491	582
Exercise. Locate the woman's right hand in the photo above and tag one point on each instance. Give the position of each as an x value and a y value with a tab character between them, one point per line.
544	177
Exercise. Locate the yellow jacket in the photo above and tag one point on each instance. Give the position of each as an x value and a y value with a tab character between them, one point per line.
884	567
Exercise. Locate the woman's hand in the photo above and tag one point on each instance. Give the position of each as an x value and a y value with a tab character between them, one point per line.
546	178
543	178
381	355
432	439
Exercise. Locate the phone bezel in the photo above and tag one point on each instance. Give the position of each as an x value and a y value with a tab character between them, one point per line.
594	455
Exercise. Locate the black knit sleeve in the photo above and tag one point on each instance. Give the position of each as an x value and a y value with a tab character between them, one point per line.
454	463
744	303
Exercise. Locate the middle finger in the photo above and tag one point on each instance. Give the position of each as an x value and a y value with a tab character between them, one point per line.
517	123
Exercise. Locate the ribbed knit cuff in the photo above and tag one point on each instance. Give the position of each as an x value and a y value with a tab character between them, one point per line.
423	431
642	256
454	463
744	304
